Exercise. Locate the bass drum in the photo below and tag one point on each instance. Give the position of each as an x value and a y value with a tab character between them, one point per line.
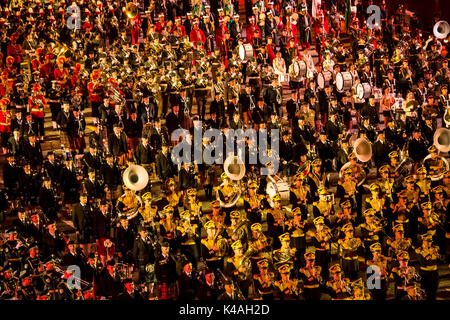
363	90
298	69
245	51
278	186
344	81
323	79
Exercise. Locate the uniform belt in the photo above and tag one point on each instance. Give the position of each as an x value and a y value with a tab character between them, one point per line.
311	286
188	243
429	268
14	259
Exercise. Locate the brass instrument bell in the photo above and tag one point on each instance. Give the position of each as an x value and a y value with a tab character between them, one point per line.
131	10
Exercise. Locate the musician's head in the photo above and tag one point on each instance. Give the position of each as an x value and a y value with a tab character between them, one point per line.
83	198
417	133
237	248
187	268
26	282
402	196
27	168
438	193
165	248
32	138
323	136
390	74
403	259
276	199
348	230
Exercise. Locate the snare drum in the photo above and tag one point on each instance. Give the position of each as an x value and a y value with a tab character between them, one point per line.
245	51
323	79
344	81
363	90
377	93
284	78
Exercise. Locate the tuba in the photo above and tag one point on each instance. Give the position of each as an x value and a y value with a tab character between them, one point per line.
135	177
441	29
363	149
235	170
441	140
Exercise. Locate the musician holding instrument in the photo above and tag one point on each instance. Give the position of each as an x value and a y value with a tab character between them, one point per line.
428	255
263	282
358	290
311	277
371	229
338	287
435	165
213	247
285	254
37	103
188	235
317	179
287	288
324	206
239	268
252	203
259	246
351	252
238	229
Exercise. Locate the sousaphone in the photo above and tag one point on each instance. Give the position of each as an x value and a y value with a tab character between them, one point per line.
441	140
234	168
362	148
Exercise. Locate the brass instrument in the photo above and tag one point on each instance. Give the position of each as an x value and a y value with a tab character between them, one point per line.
441	140
131	10
82	282
235	170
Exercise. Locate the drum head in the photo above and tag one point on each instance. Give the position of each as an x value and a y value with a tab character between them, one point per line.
360	91
339	81
296	68
321	81
271	189
242	52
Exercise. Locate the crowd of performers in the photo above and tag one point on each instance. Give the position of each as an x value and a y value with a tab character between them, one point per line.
120	84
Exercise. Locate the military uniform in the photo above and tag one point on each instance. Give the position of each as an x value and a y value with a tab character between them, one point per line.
338	289
263	283
311	278
428	256
286	288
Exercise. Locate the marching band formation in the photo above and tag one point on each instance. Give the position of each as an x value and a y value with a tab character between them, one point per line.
93	206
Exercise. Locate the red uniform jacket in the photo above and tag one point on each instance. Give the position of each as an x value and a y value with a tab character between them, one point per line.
60	75
253	32
94	95
197	35
159	26
220	35
5	121
37	111
181	29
